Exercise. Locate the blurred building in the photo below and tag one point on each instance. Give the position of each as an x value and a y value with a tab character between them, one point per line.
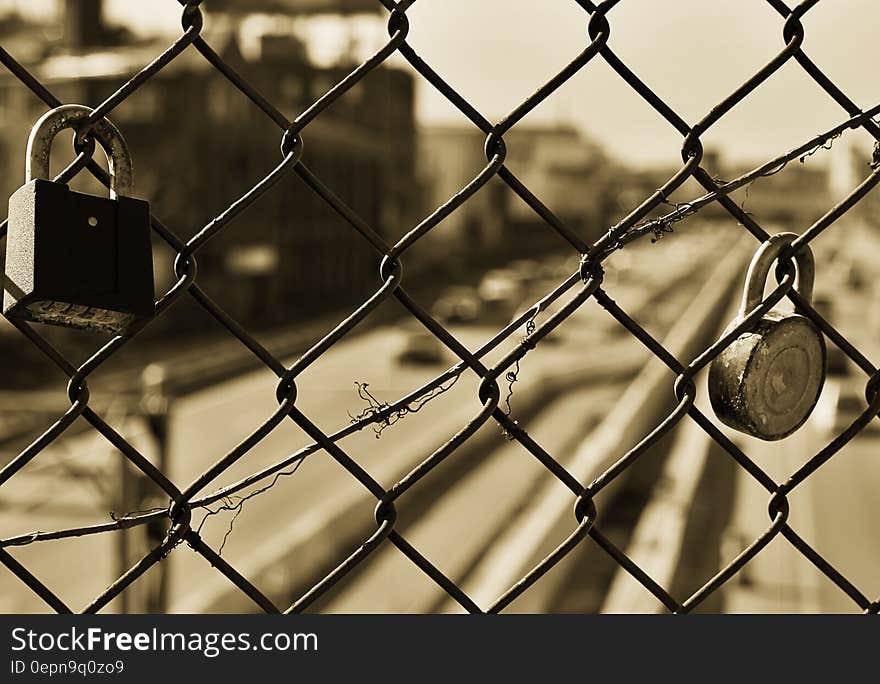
321	6
568	172
449	158
794	198
557	163
852	161
198	144
791	199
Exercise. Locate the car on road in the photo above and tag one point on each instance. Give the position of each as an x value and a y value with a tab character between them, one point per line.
526	271
500	291
458	305
420	347
499	286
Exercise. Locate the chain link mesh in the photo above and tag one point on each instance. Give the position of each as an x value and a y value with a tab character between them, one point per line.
584	285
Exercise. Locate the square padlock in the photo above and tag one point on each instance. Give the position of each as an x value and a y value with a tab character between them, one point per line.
74	259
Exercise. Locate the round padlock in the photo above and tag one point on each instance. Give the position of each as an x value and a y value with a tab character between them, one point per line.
767	382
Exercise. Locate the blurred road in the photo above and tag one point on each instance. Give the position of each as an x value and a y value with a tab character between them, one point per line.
207	424
835	510
453	534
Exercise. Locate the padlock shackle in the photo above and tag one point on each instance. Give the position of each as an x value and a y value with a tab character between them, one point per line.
759	270
54	121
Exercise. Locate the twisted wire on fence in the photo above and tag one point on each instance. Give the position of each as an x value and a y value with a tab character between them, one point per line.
584	285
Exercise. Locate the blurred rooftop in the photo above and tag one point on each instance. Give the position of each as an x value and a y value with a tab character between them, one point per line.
299	6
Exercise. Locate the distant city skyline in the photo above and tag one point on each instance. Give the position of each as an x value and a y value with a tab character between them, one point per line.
693	53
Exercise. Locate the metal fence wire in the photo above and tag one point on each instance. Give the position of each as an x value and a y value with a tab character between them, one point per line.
584	285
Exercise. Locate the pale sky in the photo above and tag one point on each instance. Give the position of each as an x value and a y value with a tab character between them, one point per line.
692	52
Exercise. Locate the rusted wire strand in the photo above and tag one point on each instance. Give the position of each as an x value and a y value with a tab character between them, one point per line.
584	286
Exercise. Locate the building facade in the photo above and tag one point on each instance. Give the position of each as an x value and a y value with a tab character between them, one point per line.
198	144
557	163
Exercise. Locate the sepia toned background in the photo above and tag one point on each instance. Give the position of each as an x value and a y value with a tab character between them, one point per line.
184	393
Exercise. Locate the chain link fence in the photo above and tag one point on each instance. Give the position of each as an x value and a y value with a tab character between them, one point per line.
582	286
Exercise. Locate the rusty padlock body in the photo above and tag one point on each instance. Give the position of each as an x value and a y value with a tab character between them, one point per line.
74	259
767	382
